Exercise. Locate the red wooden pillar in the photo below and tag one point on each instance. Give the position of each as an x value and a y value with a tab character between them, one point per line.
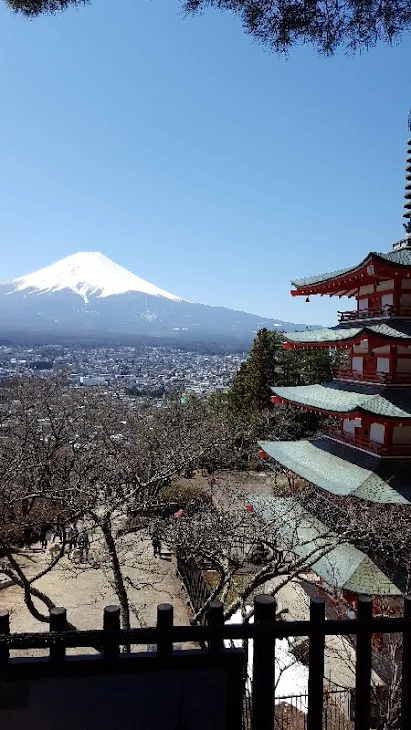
393	362
389	428
352	355
397	293
370	364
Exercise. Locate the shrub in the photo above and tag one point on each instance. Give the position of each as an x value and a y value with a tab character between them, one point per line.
185	495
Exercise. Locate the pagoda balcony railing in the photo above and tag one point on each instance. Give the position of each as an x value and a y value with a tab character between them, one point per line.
364	442
367	377
356	315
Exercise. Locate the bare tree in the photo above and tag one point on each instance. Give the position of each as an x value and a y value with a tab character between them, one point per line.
241	551
77	454
381	530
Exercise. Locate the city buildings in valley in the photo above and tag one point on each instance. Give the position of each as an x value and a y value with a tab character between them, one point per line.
139	372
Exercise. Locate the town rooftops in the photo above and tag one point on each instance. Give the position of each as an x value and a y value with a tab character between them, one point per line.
346	399
343	470
339	564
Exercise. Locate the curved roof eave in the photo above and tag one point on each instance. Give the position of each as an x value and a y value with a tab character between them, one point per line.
332	473
328	336
378	405
339	563
401	259
331	275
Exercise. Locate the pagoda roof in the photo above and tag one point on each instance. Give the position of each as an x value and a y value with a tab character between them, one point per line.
350	399
400	258
342	470
396	330
342	566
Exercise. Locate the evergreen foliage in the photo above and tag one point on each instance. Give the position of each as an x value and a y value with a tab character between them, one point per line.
31	8
283	24
269	364
250	391
326	24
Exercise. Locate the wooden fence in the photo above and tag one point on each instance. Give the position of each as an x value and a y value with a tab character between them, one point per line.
263	632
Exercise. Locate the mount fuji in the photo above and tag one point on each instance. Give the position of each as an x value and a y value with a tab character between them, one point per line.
88	294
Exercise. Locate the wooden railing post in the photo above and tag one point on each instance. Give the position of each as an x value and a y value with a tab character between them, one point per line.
263	684
216	618
406	668
58	624
5	630
316	665
165	617
363	665
111	622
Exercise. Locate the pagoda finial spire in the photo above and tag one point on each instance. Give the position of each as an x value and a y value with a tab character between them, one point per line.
407	204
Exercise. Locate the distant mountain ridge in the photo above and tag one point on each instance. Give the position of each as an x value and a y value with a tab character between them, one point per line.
88	293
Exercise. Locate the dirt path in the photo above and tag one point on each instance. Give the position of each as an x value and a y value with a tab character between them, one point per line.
84	590
234	488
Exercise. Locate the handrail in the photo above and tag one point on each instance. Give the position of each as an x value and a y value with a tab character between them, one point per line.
362	442
181	634
344	374
390	310
377	377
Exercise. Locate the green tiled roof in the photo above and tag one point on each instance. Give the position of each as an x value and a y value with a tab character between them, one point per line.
395	329
338	398
342	566
319	278
328	471
324	335
342	334
401	258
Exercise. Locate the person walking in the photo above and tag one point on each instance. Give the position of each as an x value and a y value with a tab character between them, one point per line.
27	536
58	533
71	537
156	543
44	531
83	543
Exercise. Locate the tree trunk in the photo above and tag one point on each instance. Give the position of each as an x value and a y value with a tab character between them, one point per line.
119	586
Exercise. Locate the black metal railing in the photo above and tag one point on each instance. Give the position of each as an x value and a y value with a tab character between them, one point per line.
291	714
111	661
192	576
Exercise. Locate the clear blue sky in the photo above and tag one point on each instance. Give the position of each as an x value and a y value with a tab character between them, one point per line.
192	157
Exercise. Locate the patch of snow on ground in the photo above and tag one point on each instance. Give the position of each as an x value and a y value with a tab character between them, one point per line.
291	677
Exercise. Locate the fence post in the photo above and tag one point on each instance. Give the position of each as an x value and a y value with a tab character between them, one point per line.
406	668
263	687
363	665
316	665
165	616
4	629
111	622
216	618
58	624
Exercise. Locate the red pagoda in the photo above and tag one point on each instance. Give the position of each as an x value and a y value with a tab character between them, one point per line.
367	452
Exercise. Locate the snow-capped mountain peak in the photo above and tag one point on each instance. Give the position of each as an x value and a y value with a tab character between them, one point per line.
87	273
